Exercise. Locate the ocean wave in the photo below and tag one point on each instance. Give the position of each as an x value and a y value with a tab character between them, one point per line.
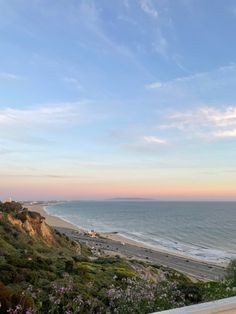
186	250
189	250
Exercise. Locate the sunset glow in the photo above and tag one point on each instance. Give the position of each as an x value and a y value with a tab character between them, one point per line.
103	99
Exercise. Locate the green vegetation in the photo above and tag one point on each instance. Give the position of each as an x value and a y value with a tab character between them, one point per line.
63	277
231	273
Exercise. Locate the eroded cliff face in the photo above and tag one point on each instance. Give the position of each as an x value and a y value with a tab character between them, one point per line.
34	225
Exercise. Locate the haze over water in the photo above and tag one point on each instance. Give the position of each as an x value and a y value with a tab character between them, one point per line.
204	230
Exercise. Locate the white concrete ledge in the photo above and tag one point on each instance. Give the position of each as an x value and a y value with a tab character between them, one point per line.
223	306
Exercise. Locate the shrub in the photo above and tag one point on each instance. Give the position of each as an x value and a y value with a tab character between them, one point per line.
191	293
106	260
5	298
231	273
8	274
10	207
69	266
121	273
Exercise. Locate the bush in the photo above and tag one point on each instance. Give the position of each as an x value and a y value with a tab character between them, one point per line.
8	273
231	273
11	207
106	260
69	266
191	293
123	273
5	297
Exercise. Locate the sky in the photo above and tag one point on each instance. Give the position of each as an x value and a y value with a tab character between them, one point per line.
118	98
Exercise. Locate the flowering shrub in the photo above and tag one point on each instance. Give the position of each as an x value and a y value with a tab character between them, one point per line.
126	295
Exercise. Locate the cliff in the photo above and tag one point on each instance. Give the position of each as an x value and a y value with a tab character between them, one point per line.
34	225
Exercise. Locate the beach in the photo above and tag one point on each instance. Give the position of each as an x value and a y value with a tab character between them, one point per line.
52	221
110	244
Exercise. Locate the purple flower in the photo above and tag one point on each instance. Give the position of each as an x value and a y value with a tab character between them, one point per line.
17	309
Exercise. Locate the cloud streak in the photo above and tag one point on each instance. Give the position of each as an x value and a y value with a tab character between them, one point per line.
148	7
220	74
93	24
223	134
154	140
46	115
154	85
207	122
8	76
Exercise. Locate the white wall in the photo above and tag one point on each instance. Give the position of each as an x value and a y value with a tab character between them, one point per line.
224	306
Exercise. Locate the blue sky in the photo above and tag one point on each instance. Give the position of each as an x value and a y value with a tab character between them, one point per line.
118	98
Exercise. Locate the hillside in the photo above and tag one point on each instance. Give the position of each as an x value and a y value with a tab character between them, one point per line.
43	271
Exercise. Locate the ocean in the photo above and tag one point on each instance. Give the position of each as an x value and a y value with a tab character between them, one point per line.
203	230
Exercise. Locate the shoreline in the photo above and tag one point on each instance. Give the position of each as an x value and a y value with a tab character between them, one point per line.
115	236
51	220
55	221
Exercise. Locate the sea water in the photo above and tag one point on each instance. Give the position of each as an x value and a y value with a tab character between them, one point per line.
203	230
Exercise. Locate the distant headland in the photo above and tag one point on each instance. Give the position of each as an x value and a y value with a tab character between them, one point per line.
130	199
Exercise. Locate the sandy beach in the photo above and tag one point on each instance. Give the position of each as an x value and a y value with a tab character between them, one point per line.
110	244
50	220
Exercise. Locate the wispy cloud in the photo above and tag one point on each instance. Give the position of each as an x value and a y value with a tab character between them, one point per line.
207	122
50	176
224	117
74	82
154	140
41	125
223	134
154	85
159	42
45	115
95	25
8	76
178	80
148	7
217	74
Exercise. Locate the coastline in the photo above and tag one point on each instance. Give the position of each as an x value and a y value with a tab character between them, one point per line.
120	238
51	220
110	244
57	222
